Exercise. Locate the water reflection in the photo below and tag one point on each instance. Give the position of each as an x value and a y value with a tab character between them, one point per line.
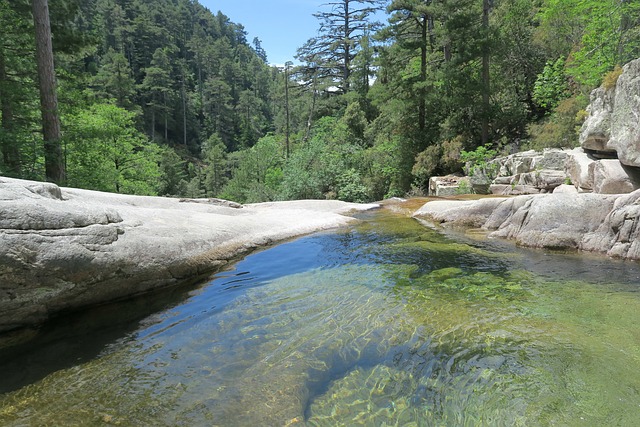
385	323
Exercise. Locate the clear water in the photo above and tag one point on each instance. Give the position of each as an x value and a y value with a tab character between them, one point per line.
386	323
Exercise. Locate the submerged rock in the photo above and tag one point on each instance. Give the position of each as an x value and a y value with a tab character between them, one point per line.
62	248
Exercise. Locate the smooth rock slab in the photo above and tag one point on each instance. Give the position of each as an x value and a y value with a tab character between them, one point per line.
608	224
62	249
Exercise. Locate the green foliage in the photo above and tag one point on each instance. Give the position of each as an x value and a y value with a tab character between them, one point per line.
173	173
427	163
560	130
105	152
465	187
351	188
598	34
114	80
327	166
551	86
477	161
216	169
413	98
610	79
255	172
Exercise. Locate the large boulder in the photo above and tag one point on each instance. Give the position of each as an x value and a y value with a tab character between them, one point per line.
625	122
610	178
513	189
579	171
619	233
449	185
528	172
62	249
545	180
602	223
465	213
557	221
596	129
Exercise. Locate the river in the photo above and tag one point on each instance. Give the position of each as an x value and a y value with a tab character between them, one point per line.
382	323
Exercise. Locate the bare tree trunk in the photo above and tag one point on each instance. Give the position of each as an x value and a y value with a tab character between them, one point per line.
184	110
166	120
422	104
153	124
312	109
286	105
347	48
54	161
486	88
10	151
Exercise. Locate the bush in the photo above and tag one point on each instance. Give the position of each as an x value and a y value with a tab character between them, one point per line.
610	79
560	130
551	85
350	187
476	161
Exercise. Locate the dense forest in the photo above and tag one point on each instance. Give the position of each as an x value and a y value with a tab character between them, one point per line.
164	97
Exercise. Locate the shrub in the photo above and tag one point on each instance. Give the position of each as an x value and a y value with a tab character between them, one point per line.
610	79
560	130
551	85
477	161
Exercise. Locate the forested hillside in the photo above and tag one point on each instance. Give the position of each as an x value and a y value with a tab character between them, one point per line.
166	97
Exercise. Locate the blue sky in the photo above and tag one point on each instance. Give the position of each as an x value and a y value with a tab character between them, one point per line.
282	25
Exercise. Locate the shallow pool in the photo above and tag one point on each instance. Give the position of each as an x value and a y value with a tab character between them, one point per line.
384	323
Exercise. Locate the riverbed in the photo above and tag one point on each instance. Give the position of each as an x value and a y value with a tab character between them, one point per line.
382	323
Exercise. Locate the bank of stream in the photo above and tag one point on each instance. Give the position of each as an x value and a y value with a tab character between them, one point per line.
384	322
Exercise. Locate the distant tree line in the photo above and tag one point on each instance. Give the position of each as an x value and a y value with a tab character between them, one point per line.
165	97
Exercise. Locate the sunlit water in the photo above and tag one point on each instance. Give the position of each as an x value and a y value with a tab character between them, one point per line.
386	323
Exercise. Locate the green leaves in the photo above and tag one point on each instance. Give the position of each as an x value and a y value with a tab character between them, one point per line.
105	152
551	86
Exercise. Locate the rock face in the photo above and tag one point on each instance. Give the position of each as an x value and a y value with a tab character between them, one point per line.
610	178
612	131
449	185
607	224
596	130
578	169
62	249
625	122
527	172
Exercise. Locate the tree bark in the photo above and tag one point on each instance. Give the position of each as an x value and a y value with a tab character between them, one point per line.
54	161
422	105
10	151
286	106
486	88
347	48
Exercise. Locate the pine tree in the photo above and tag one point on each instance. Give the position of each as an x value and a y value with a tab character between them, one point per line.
54	161
341	28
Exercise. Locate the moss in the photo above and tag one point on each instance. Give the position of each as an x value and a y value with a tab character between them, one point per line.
610	79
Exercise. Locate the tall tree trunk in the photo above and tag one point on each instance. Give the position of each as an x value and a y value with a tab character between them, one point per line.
422	107
486	88
54	161
10	151
184	109
286	105
153	123
166	119
312	109
347	48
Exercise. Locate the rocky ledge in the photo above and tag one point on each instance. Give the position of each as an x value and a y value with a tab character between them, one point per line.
63	249
607	224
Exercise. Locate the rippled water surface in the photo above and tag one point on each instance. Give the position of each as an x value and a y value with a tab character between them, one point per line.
386	323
